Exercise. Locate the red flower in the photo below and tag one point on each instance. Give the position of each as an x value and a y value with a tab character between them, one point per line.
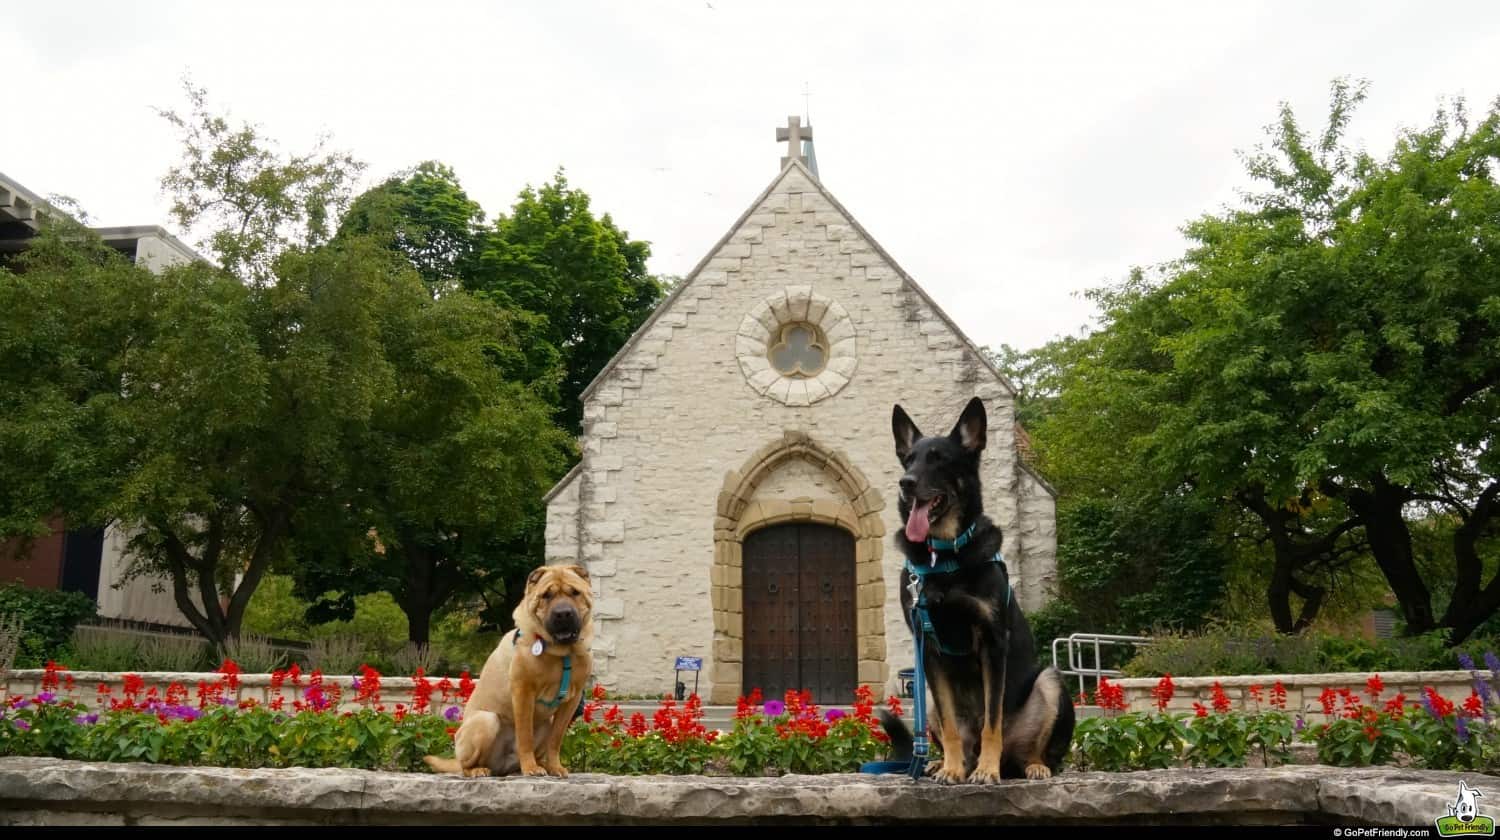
369	685
1111	696
134	685
49	676
1221	700
1372	733
277	678
1200	710
1374	687
445	685
1474	705
1353	706
599	692
637	727
421	692
176	694
1440	704
864	704
465	686
68	683
231	672
756	698
1278	696
1328	699
277	703
1255	694
613	715
1163	692
1396	706
450	730
295	674
894	704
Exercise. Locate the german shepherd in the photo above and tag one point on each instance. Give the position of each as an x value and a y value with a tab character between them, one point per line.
995	712
515	720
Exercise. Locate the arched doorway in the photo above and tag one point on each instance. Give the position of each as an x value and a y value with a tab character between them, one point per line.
799	611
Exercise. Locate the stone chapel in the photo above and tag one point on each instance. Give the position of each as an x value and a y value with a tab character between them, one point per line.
736	497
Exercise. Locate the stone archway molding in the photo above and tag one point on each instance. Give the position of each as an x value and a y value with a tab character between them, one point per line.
739	513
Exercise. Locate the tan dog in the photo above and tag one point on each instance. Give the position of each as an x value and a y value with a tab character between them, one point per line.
519	711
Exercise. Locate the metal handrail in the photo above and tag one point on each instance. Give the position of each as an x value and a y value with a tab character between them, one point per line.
1077	643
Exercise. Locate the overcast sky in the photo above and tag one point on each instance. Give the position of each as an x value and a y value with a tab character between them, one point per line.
1007	155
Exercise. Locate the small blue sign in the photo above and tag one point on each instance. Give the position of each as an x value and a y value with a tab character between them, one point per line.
689	663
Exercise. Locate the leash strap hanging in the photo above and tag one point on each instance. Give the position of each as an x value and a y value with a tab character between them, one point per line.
919	712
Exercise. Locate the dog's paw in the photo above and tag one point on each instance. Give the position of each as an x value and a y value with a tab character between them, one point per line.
477	772
557	770
946	775
534	770
982	776
1038	771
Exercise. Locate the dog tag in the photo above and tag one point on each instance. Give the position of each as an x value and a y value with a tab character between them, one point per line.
536	649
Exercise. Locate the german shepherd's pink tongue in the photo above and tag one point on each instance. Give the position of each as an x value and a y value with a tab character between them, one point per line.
918	523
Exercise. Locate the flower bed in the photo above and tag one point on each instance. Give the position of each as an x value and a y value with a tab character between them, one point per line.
1430	732
309	722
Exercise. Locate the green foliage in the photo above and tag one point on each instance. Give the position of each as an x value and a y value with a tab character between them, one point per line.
425	215
1219	651
47	616
105	648
585	278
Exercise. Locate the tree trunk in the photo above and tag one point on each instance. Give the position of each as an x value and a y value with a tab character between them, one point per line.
1379	513
1472	606
429	585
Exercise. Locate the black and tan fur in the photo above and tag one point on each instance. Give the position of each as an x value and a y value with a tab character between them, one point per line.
506	729
995	712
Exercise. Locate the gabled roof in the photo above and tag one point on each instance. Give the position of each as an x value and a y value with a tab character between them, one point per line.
666	304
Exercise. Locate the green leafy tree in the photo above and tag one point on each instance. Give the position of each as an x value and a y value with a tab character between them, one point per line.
425	215
583	276
1323	357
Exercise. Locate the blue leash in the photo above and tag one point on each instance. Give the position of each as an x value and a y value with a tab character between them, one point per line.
917	767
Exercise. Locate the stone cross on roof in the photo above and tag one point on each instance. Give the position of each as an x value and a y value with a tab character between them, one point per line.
793	135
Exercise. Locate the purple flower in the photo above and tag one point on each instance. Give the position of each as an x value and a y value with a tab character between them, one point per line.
775	708
1465	661
227	701
1493	661
356	684
833	714
87	720
1300	723
1462	729
46	697
453	713
21	704
188	713
21	725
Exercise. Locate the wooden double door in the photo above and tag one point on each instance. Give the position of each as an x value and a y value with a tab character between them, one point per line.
799	607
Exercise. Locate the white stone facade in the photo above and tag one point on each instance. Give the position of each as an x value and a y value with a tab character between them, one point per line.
688	444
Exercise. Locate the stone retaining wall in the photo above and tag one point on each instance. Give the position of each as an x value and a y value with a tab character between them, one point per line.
37	791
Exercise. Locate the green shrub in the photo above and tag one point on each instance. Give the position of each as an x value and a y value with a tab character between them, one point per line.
49	617
254	653
11	630
105	647
161	652
336	654
1223	651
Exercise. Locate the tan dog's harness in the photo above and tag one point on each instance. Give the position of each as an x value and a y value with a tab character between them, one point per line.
567	677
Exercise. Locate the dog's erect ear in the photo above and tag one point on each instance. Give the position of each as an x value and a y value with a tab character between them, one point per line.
535	576
580	571
969	432
906	432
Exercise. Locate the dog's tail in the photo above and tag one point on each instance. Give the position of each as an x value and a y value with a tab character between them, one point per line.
900	735
443	765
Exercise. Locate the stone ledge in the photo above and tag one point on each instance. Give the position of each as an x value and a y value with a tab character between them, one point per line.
35	791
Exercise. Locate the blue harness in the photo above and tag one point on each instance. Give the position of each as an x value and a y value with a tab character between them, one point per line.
921	622
562	690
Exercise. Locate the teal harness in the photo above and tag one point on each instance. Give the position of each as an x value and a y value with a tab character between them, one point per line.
562	690
919	575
